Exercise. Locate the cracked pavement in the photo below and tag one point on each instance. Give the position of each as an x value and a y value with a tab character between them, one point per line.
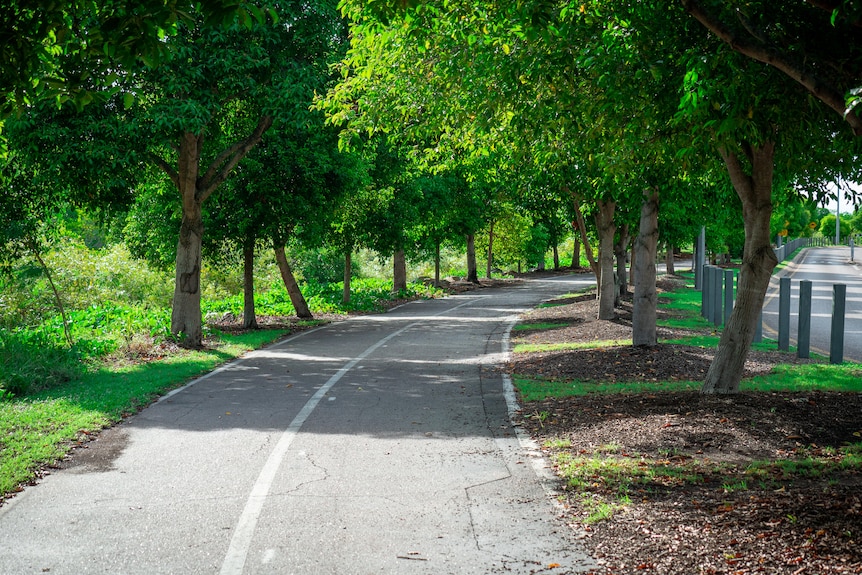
377	445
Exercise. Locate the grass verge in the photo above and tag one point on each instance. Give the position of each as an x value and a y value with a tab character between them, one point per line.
540	347
604	480
39	430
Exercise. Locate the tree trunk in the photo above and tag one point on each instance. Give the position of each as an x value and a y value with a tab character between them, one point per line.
607	286
437	264
186	309
67	332
300	306
348	273
621	248
588	250
645	297
758	261
399	272
668	260
490	252
249	320
576	254
556	258
472	272
194	189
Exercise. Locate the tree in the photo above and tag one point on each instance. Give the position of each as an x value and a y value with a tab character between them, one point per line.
209	103
387	226
856	221
792	216
439	197
26	200
827	226
761	123
47	45
283	193
817	44
534	90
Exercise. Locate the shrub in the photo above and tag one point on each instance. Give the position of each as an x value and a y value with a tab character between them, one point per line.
32	361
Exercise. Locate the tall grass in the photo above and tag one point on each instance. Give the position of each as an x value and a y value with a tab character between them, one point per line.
31	361
113	299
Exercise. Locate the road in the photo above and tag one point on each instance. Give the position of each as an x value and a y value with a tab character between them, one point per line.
381	444
823	266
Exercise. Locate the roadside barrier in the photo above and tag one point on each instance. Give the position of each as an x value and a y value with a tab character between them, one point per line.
718	296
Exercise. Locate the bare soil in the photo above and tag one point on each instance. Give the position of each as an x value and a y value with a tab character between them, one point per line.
784	520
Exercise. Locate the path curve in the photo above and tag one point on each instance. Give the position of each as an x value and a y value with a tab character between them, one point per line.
381	444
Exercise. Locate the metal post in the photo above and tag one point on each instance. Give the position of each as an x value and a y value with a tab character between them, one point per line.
716	296
836	345
803	345
705	301
699	258
838	219
784	314
728	294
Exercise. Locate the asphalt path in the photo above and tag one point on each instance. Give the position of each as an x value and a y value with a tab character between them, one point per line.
378	445
823	266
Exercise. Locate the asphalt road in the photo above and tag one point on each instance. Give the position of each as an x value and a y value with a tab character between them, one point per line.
378	445
823	266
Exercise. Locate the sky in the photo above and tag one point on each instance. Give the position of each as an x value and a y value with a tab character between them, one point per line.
846	206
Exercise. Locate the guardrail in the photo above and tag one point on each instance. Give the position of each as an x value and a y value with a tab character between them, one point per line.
783	252
718	296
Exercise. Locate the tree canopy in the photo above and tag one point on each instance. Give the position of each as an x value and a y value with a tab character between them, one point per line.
72	50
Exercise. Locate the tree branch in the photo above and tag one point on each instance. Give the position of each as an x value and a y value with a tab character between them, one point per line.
832	6
166	168
218	173
824	92
217	162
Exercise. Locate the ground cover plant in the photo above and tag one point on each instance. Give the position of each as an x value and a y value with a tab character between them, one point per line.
657	478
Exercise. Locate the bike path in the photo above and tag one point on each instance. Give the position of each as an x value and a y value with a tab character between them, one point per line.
381	444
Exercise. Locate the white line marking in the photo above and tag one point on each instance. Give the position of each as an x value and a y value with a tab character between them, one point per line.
235	362
528	445
237	553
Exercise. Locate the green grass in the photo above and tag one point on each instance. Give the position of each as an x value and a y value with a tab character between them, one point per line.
787	260
40	429
687	300
603	478
600	510
534	389
846	377
540	347
784	378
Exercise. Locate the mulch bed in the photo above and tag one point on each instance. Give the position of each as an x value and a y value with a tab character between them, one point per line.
729	521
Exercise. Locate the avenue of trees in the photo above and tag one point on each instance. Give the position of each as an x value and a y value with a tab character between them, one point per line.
213	131
628	107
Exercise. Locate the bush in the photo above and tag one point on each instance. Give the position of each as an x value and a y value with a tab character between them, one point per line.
323	265
31	362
